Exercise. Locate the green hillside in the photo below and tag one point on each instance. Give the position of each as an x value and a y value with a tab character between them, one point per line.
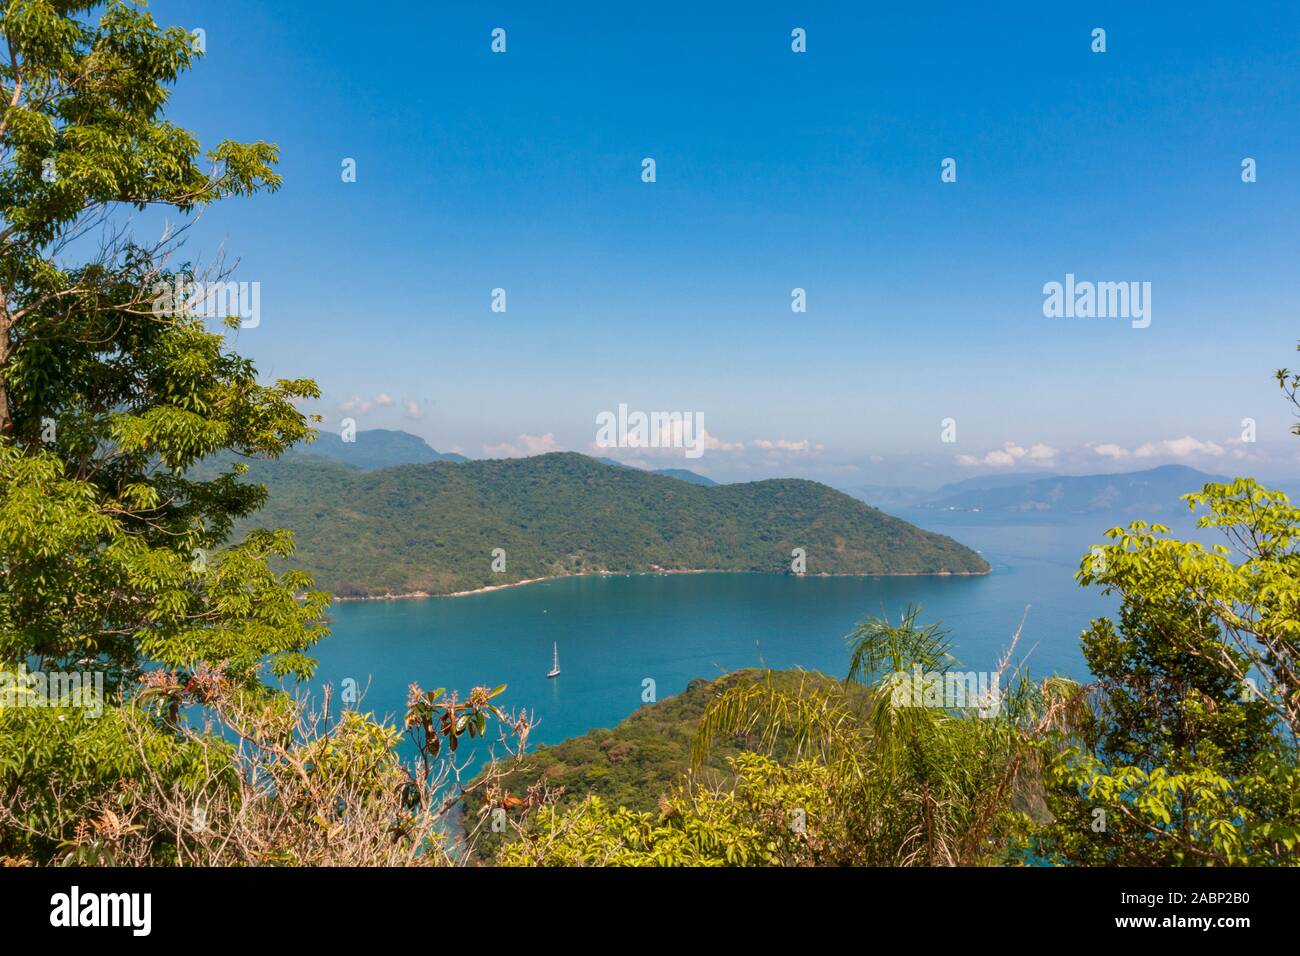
432	528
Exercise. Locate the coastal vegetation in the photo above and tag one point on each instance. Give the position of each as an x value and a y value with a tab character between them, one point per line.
636	764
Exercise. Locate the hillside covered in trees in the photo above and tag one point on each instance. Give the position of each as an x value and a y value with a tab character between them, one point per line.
433	528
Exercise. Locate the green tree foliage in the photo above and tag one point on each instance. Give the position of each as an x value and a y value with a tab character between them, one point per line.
1186	754
105	404
61	770
265	779
773	815
110	549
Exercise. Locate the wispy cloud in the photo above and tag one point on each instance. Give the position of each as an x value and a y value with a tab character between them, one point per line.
1111	450
782	444
523	446
1185	447
1011	454
1178	448
363	405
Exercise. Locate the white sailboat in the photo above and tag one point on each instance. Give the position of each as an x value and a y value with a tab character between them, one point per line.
555	666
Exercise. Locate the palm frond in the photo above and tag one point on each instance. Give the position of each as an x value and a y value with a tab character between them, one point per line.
806	720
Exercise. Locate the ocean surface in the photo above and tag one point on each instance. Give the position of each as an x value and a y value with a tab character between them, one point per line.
615	634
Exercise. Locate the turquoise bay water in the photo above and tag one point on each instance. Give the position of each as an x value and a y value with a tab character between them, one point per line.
615	632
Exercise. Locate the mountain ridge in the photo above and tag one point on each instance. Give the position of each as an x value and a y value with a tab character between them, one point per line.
435	528
373	448
1150	491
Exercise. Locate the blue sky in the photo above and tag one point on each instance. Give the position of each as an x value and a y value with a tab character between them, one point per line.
775	170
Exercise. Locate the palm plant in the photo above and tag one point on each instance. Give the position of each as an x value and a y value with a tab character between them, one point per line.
911	785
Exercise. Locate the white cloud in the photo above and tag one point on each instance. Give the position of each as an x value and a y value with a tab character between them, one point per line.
717	444
1010	454
1178	448
524	446
355	404
363	405
674	437
1110	450
1185	447
413	409
673	440
781	444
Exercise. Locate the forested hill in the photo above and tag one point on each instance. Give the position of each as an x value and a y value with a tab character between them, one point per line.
433	528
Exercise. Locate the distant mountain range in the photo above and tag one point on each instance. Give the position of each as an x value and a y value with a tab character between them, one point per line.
685	474
373	448
1133	494
432	528
384	448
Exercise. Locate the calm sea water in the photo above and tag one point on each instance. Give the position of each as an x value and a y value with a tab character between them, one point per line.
614	633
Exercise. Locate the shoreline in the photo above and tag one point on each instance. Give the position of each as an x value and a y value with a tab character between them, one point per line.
418	595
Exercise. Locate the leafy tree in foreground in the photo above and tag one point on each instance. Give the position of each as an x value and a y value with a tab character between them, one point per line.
105	404
1188	752
1187	755
749	824
106	400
